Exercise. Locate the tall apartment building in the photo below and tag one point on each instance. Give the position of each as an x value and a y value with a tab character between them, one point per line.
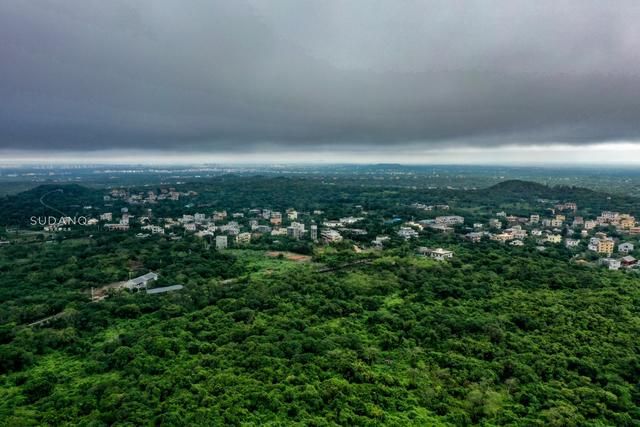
221	242
605	246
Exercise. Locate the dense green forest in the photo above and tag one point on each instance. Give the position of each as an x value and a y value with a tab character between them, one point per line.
497	336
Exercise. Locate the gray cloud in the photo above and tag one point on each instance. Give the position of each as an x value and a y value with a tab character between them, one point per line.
236	75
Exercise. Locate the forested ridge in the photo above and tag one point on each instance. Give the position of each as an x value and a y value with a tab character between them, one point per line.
496	338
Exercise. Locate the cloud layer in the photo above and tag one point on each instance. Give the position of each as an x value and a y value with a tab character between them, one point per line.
238	76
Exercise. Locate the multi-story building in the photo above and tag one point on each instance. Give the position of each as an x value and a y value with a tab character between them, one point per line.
221	242
314	232
502	237
605	246
625	248
276	218
474	237
243	238
626	222
155	229
330	236
554	238
495	223
571	243
611	263
450	220
407	233
261	229
219	215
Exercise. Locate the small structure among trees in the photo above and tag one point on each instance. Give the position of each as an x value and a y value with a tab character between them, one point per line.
141	281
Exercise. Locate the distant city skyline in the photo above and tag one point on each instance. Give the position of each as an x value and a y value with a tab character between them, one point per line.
415	82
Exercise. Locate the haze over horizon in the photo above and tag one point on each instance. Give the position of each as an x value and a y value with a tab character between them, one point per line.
512	83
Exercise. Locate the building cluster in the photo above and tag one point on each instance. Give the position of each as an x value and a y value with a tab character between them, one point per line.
429	208
559	224
147	197
575	234
238	227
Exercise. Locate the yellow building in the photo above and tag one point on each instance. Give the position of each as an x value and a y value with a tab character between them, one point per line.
626	222
554	238
605	246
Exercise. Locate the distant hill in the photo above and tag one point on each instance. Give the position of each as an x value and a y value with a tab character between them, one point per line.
69	190
517	186
529	188
526	191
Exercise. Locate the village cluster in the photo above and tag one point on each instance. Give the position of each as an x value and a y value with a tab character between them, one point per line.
557	225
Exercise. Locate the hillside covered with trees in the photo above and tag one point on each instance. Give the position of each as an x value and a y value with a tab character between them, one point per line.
498	335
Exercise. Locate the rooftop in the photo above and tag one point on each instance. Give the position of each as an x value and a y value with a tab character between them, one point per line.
164	289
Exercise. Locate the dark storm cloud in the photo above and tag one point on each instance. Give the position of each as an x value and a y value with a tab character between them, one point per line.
233	75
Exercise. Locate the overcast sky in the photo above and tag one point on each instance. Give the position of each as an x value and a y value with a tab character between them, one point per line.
321	80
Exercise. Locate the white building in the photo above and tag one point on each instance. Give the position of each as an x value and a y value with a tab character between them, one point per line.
295	230
378	243
589	225
350	220
438	254
474	237
330	236
155	229
407	233
117	227
611	263
625	248
571	243
243	238
221	242
554	238
450	220
232	227
141	281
